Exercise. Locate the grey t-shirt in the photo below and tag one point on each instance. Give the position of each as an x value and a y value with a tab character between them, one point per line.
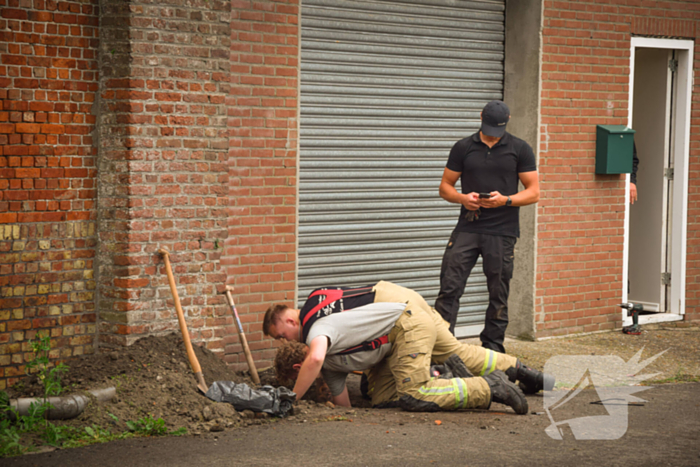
348	329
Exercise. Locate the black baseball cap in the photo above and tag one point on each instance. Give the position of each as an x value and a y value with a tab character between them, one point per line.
494	119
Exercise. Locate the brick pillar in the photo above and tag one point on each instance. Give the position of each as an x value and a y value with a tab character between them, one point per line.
162	160
48	83
260	254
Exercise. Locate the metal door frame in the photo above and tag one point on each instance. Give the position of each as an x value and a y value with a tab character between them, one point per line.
681	144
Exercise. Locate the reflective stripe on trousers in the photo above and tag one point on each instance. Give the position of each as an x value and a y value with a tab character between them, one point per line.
456	386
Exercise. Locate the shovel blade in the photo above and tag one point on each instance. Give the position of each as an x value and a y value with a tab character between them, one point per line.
201	385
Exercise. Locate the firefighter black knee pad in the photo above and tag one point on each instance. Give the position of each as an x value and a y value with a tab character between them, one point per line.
411	404
387	405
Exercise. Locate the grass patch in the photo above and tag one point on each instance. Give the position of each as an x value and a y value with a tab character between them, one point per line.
151	426
679	377
20	434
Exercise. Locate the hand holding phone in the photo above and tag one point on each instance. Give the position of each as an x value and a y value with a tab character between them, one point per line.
490	200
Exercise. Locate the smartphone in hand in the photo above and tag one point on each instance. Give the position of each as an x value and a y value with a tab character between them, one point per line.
484	195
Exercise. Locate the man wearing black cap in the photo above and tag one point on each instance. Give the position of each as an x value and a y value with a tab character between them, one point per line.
489	163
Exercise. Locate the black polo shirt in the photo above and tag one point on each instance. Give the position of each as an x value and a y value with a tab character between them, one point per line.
487	169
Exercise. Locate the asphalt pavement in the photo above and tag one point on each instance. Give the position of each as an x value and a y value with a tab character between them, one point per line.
663	430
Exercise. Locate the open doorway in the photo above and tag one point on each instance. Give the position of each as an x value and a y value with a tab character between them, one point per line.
650	217
655	234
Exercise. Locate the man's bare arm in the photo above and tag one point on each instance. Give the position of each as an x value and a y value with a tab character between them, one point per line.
531	193
448	192
311	367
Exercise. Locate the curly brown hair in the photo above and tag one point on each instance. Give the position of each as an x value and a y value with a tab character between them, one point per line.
289	354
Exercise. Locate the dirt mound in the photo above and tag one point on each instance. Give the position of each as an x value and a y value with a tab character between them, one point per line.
153	378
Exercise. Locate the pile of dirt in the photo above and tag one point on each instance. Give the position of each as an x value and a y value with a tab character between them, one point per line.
153	378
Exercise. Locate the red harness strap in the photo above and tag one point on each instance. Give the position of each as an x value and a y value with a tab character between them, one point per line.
329	298
371	345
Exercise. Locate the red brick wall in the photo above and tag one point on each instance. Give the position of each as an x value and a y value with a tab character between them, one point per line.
195	149
163	148
48	82
263	106
585	82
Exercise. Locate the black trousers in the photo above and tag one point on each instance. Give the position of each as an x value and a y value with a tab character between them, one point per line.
460	256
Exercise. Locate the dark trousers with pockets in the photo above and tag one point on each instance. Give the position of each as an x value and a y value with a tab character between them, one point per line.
460	257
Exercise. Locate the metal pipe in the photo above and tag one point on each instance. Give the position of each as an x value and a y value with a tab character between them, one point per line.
64	407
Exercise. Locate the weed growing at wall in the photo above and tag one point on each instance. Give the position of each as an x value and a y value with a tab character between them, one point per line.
22	433
49	377
18	433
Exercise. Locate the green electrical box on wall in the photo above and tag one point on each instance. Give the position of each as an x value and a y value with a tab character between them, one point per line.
613	149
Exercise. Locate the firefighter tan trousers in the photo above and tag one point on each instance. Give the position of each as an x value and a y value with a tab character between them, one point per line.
421	337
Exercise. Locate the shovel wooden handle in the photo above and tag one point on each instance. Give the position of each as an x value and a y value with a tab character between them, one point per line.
181	320
244	341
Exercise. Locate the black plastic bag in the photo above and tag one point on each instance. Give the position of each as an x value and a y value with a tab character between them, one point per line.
268	399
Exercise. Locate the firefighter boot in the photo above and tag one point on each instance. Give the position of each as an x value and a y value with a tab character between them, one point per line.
505	392
531	380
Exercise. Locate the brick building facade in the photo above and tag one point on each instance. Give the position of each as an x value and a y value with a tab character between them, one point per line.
48	209
585	82
127	126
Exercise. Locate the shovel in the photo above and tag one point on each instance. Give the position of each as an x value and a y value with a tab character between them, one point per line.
201	385
241	335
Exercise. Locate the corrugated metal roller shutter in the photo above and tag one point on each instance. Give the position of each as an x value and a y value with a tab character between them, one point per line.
386	90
